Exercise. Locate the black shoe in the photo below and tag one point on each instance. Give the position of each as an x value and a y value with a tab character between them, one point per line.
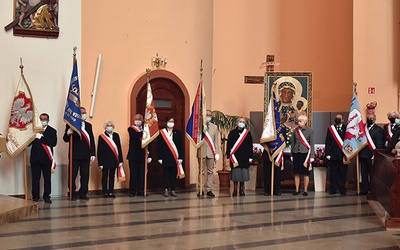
83	197
305	194
131	195
110	195
210	194
296	193
267	194
202	194
142	194
242	193
277	194
73	198
343	193
35	199
47	200
234	193
105	195
332	193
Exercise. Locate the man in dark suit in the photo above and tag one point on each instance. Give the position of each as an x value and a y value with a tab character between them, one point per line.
366	154
136	157
42	159
83	153
335	156
390	128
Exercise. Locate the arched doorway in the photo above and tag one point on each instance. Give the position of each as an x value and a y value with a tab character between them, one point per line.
170	99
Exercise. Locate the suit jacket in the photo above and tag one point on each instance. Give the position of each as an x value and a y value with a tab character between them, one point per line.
244	152
331	147
105	154
298	147
135	152
207	153
394	141
163	151
378	137
80	148
38	154
385	130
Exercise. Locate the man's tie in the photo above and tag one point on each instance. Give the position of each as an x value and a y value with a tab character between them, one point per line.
208	127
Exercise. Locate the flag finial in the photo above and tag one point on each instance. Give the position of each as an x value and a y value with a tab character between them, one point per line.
355	87
201	69
21	66
148	74
74	49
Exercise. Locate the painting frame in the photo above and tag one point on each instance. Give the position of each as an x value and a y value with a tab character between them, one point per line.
304	79
39	18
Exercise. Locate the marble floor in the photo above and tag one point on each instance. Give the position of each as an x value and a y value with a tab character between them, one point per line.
318	221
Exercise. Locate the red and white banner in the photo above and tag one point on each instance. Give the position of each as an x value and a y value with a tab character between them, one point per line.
150	127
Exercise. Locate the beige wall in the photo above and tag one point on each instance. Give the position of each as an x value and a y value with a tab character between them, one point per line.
376	53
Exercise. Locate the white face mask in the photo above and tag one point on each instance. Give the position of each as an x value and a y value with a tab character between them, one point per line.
208	119
397	121
109	129
241	125
170	124
44	124
83	117
138	123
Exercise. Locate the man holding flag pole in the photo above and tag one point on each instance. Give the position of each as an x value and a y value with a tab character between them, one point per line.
79	134
273	141
150	128
355	137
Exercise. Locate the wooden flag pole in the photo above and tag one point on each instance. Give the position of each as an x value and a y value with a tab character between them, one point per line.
358	175
25	177
70	168
146	157
201	172
272	177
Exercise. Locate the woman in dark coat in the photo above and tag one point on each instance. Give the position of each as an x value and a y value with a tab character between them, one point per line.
240	151
109	156
170	155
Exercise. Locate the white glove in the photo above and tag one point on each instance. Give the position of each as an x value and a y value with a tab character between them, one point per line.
38	135
291	158
312	160
101	167
149	160
92	158
70	131
250	160
180	161
160	161
216	157
386	144
328	157
120	164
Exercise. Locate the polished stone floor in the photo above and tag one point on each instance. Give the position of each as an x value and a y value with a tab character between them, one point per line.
319	221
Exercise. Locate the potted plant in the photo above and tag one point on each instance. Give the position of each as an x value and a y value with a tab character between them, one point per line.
225	124
319	167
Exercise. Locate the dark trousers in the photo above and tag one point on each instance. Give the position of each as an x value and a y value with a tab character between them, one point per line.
267	177
83	166
337	176
108	174
37	170
136	177
170	177
365	165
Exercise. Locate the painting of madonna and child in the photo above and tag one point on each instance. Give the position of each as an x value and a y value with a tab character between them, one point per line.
293	92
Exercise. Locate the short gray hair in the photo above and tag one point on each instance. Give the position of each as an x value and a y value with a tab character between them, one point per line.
108	121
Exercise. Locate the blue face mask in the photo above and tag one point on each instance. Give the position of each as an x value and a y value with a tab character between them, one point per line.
109	129
241	125
44	124
83	117
397	121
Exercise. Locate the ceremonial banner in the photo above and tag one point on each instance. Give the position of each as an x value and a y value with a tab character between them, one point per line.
196	128
72	112
272	137
355	138
24	120
150	127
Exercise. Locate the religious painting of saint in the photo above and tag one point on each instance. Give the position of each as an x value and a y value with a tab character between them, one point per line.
293	90
36	18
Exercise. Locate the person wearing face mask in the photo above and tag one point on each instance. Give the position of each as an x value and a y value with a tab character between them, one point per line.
240	152
376	140
209	152
170	155
42	160
390	127
83	154
394	144
335	156
136	157
109	157
302	153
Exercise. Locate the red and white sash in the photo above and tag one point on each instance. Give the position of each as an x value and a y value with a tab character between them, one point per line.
110	142
86	136
338	139
389	131
210	143
236	146
171	145
303	140
371	143
47	149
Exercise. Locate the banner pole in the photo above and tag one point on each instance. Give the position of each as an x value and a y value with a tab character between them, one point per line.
358	175
272	177
25	177
146	157
70	168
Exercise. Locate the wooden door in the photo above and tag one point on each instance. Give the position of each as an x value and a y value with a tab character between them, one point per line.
168	101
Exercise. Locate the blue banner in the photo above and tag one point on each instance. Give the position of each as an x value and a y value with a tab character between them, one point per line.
72	112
